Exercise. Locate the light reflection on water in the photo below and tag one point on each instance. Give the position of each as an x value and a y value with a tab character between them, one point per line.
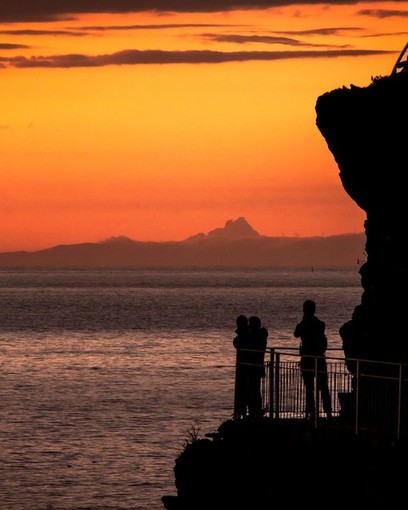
99	424
101	382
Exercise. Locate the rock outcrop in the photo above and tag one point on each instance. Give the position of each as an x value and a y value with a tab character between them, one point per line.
366	130
259	464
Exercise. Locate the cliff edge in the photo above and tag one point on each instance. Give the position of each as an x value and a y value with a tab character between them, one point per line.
366	131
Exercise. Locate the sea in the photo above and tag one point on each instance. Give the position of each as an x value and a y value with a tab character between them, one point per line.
106	374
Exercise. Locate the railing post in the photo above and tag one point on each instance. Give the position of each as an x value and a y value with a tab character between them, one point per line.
399	401
357	390
235	386
271	381
316	392
277	377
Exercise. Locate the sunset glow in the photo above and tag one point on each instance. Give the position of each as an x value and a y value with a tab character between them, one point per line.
159	125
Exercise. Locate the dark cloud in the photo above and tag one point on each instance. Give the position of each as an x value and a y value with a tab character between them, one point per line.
48	10
386	34
264	39
82	31
8	46
134	57
242	39
163	26
383	13
34	33
319	31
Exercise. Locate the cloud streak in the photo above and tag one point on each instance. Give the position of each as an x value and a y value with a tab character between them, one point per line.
51	10
264	39
137	57
87	30
319	31
33	33
383	13
163	26
10	46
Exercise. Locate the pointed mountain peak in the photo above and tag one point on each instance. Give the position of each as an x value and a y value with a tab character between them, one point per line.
234	229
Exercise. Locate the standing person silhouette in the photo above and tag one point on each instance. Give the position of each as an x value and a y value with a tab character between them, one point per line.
313	346
241	344
256	368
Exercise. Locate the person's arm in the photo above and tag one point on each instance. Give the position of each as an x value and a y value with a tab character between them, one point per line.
324	343
298	330
265	335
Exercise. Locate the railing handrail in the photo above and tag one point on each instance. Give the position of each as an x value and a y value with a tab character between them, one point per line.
282	349
374	394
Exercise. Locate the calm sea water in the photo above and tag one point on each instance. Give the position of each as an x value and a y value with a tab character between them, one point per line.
105	373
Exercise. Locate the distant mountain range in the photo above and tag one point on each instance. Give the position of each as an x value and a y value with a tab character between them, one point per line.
236	244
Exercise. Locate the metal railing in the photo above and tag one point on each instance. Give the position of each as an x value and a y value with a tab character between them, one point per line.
366	395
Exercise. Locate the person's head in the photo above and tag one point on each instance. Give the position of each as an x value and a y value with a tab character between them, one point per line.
309	307
254	322
241	321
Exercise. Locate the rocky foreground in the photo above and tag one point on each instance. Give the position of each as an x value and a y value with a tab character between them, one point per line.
264	463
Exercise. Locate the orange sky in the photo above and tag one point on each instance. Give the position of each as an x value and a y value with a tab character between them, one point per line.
157	126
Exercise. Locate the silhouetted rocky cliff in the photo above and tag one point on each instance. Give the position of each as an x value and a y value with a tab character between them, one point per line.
366	131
